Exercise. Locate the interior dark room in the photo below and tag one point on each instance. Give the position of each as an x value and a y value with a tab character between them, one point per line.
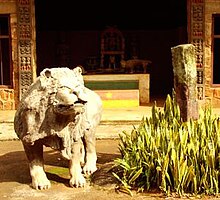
155	26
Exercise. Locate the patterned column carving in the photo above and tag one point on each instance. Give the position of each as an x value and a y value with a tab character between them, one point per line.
24	45
196	16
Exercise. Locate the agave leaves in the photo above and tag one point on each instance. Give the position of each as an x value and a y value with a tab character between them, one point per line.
172	155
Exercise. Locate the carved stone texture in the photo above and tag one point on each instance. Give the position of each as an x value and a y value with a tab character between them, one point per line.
185	77
196	37
25	39
198	43
58	111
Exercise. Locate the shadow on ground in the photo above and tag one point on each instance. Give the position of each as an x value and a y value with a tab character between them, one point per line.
14	168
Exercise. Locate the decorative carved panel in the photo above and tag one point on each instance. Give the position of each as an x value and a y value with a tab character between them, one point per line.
196	37
24	45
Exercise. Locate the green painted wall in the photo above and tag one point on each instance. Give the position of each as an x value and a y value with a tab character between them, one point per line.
112	85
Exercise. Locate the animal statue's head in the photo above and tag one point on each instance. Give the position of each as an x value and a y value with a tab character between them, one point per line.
60	88
68	96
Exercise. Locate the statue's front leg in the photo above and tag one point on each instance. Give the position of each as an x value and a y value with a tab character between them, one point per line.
77	179
34	154
90	154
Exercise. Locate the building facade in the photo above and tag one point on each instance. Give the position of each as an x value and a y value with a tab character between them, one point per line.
18	42
17	50
212	49
203	32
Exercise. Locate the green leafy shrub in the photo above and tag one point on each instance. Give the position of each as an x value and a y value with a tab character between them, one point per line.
165	153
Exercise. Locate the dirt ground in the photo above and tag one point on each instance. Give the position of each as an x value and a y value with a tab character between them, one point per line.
15	179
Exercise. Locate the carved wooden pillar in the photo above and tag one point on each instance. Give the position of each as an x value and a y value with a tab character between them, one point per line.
196	16
26	44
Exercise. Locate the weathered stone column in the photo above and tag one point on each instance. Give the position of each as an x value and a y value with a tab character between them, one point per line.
184	69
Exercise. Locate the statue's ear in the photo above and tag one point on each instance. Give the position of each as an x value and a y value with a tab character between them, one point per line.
47	73
78	73
77	70
44	76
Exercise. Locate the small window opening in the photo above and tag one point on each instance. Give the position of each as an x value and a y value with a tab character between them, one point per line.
216	49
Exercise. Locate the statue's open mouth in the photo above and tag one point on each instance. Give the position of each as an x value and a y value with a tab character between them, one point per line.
66	109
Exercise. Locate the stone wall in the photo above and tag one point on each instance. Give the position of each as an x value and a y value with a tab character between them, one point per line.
9	96
23	50
7	101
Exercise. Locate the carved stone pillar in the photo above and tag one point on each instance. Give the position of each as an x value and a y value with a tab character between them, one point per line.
26	44
196	16
184	69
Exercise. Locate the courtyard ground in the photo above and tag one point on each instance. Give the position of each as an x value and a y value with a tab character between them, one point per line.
15	179
14	172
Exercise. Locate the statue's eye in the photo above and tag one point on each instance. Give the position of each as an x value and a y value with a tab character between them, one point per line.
66	88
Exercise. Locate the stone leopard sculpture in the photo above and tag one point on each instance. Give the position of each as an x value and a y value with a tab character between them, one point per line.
58	111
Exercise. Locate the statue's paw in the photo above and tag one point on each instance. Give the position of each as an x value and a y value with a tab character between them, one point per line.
89	168
40	182
39	178
77	180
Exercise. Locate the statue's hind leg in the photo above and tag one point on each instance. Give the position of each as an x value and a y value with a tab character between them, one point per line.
34	154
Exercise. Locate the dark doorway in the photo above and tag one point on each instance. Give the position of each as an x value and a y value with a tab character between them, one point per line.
75	31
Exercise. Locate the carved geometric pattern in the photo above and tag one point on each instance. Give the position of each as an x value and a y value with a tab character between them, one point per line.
25	79
25	64
25	30
197	12
197	23
200	93
197	39
24	42
25	47
199	77
197	29
198	43
24	16
197	1
24	2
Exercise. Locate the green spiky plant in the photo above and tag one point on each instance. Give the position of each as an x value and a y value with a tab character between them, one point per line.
165	153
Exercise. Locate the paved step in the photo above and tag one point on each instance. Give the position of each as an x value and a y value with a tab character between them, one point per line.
114	121
105	130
